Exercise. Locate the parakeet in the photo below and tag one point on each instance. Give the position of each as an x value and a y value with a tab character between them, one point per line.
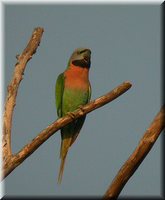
72	90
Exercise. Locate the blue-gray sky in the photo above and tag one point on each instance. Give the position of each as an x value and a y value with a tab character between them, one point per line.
125	41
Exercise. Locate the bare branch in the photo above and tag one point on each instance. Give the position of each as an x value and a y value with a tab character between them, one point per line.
133	162
13	89
28	149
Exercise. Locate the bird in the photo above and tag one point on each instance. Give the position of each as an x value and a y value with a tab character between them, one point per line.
72	90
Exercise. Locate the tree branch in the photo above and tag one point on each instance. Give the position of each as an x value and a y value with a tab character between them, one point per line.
133	162
13	89
28	149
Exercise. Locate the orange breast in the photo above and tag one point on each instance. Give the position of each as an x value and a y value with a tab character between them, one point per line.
76	78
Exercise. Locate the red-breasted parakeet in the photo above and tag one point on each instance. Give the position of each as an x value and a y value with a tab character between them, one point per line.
72	90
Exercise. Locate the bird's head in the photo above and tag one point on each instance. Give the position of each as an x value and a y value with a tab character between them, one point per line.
81	57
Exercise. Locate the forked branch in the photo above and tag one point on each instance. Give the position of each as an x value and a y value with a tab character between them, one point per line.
28	149
10	103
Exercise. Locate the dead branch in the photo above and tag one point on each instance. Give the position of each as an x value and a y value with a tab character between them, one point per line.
133	162
13	89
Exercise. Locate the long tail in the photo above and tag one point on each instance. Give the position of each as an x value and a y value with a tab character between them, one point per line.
65	144
61	169
68	136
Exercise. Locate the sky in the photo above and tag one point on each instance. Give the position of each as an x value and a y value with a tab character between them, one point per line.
125	41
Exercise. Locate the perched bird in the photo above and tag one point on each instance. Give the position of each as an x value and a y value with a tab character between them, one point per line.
72	90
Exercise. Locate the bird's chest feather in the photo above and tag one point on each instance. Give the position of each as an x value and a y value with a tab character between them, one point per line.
76	89
76	78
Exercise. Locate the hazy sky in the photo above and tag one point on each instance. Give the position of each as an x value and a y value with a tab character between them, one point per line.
125	43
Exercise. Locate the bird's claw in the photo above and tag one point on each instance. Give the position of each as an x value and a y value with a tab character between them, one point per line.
71	114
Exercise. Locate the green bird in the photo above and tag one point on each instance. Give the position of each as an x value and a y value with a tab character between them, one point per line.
72	91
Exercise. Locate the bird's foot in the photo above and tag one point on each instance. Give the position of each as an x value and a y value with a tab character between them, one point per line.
71	114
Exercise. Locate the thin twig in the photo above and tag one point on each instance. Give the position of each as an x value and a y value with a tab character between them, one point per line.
133	162
28	149
13	89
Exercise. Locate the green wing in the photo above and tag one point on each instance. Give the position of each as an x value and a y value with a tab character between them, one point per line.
59	89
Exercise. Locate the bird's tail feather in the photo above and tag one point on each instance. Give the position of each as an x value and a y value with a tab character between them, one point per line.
65	144
61	169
